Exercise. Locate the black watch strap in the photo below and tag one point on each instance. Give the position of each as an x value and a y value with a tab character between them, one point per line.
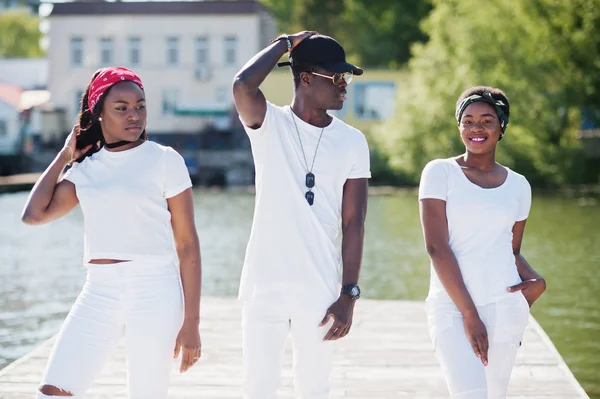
285	38
352	290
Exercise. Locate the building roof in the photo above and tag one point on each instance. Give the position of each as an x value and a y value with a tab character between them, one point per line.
11	95
34	99
85	7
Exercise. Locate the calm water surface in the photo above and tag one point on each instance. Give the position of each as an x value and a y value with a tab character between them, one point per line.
41	272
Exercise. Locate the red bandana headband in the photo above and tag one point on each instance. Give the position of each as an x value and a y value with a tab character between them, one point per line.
107	78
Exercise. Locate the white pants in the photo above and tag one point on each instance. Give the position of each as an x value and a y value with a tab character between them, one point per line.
141	301
266	325
465	375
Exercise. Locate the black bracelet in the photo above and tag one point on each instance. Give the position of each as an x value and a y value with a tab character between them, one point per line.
287	40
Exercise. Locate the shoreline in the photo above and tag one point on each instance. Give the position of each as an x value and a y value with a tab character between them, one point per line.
26	181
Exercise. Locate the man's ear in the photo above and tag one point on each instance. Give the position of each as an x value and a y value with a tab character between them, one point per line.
305	78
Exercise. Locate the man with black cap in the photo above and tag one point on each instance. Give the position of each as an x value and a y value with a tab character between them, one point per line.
311	201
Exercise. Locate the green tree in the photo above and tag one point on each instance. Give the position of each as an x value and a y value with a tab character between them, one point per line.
374	33
19	35
381	32
544	54
284	12
322	16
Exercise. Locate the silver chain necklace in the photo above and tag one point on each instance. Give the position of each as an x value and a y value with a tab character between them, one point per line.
310	177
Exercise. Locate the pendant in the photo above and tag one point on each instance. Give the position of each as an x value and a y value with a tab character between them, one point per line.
310	180
310	197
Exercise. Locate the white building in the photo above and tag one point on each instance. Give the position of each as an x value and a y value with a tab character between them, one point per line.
24	114
10	118
27	73
186	53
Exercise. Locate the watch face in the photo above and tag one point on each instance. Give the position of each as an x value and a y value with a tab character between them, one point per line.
355	291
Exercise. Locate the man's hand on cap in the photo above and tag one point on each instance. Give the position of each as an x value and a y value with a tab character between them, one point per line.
296	38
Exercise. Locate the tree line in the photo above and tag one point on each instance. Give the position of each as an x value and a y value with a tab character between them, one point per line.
545	54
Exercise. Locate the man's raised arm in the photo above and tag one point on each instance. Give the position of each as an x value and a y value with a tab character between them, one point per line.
249	100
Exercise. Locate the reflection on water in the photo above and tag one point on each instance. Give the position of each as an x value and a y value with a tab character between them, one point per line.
41	272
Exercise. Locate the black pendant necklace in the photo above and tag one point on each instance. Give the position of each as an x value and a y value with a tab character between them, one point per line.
117	144
309	180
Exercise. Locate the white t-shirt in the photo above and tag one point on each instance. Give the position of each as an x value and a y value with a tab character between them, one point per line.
480	223
123	197
294	248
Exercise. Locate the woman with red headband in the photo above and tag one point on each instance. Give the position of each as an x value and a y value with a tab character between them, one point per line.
141	250
473	212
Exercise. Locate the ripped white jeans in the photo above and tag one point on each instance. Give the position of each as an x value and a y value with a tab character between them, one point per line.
140	300
465	375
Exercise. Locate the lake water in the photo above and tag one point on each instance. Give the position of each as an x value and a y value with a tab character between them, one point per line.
41	268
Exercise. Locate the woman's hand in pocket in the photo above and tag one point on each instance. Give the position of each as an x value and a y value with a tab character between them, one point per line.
532	289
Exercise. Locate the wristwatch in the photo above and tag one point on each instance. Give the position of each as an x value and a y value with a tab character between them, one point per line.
352	290
288	42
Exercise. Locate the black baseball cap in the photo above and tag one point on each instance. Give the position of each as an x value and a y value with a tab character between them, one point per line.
322	51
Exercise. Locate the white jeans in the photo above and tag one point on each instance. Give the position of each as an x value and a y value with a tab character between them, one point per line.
141	301
465	375
266	325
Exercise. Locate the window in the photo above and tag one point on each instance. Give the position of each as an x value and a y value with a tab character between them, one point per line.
169	101
221	94
374	100
172	51
230	50
3	129
135	48
202	51
76	51
106	51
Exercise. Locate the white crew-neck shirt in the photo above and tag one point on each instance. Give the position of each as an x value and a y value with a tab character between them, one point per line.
294	248
480	223
123	196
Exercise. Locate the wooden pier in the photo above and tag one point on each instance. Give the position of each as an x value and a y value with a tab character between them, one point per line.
23	182
387	355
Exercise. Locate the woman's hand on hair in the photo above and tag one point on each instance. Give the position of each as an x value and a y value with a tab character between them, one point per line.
70	151
296	38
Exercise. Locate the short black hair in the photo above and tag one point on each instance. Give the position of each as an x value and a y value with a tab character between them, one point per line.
297	70
496	93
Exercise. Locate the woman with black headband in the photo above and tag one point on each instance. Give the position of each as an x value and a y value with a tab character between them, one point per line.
473	213
141	244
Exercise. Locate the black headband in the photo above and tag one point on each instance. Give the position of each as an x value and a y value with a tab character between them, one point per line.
499	106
